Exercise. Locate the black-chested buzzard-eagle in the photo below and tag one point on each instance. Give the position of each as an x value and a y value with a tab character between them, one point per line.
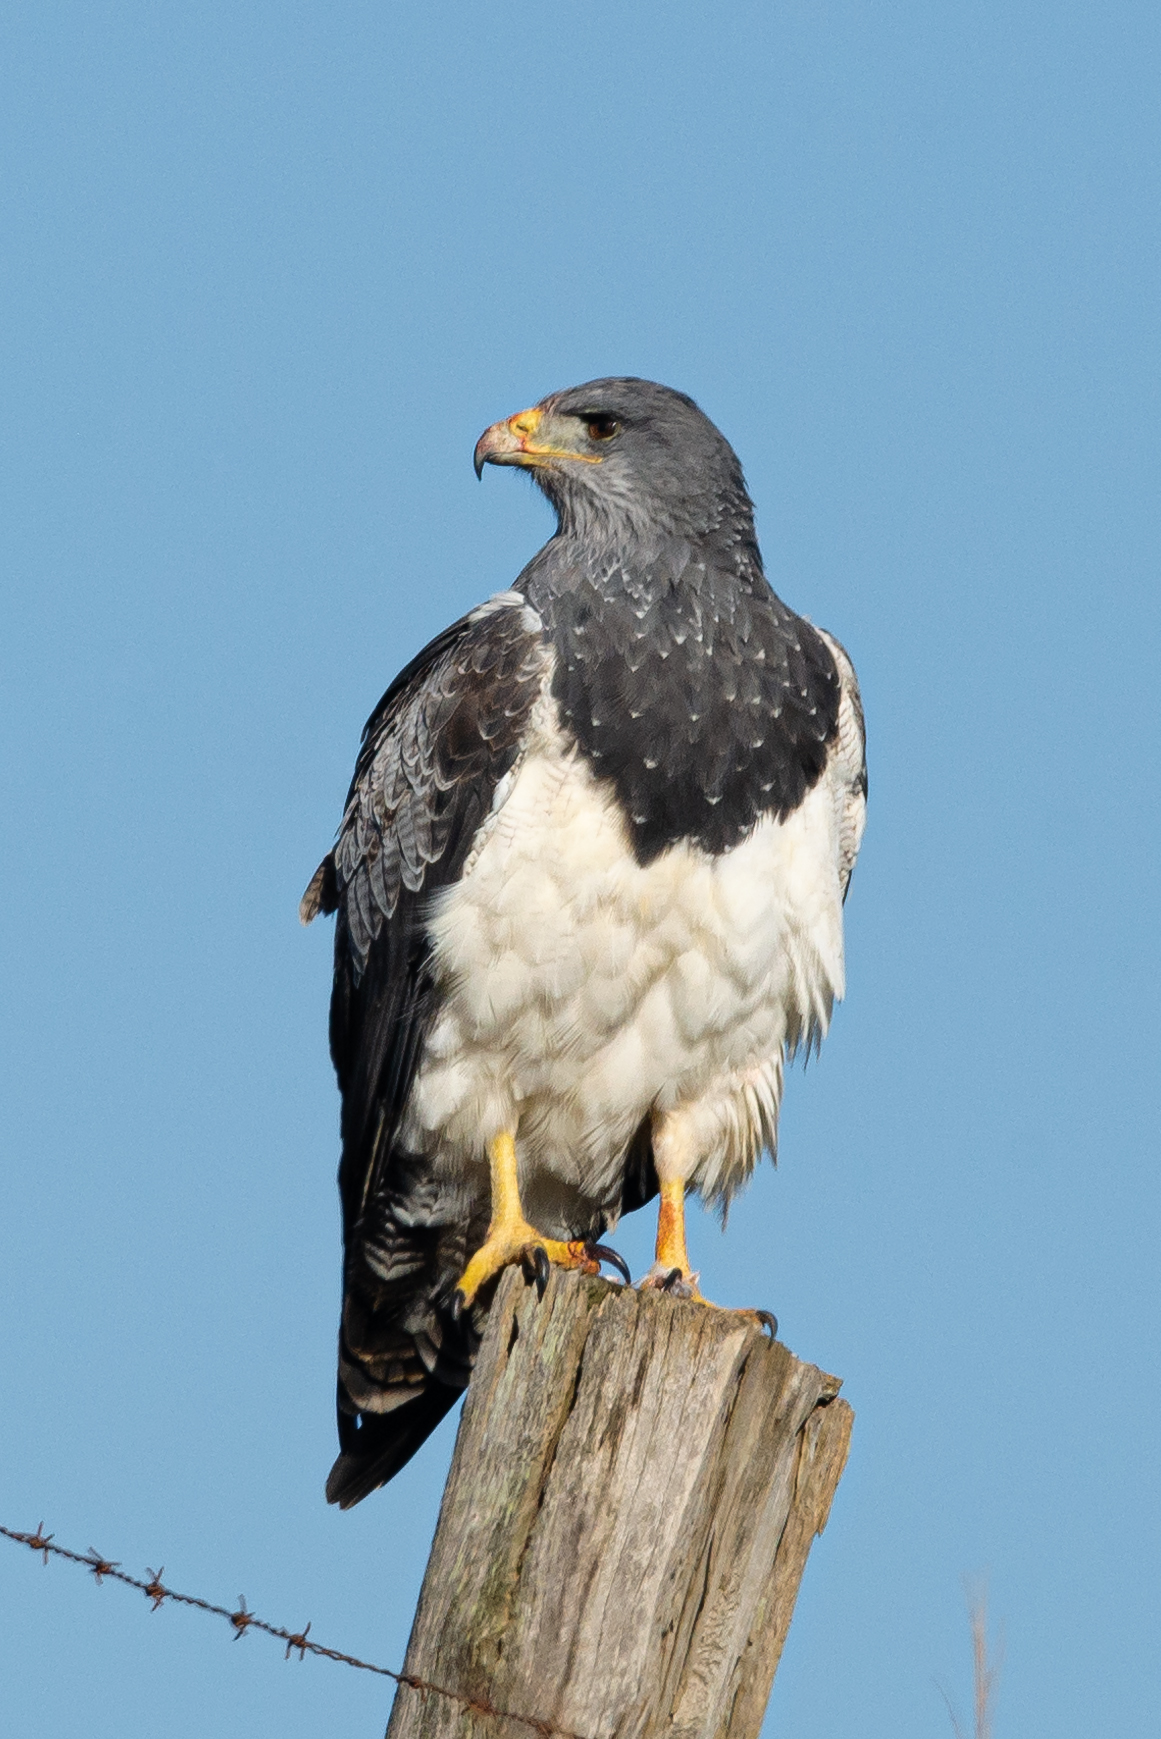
589	883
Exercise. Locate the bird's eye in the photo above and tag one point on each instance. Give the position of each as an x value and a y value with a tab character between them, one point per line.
602	428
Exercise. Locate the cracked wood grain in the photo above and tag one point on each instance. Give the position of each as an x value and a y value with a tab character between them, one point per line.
636	1484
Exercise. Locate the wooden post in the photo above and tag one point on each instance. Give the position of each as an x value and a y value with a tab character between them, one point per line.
636	1484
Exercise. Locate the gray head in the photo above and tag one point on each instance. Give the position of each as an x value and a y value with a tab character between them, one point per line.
625	455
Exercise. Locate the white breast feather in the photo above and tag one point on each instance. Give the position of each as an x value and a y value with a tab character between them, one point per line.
581	992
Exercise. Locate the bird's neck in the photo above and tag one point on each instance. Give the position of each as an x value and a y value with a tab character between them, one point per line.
625	567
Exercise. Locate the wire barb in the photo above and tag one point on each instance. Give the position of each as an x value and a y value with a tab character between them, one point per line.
101	1567
298	1640
242	1620
40	1541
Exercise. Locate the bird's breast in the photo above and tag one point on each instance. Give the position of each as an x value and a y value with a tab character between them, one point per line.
580	990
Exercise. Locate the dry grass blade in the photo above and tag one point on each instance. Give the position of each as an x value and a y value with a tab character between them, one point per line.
985	1672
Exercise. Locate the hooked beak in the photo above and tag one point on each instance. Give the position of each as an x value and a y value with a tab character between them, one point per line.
512	442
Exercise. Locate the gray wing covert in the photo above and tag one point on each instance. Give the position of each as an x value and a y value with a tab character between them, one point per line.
449	728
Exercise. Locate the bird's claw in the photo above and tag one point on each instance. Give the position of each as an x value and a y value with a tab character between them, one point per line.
536	1254
538	1260
674	1280
603	1253
769	1322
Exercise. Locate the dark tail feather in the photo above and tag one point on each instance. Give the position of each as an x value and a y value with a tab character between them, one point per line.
381	1443
640	1175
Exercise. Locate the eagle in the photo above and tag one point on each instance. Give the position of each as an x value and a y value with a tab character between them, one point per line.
589	887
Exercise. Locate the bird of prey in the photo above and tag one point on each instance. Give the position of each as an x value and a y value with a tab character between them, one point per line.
589	883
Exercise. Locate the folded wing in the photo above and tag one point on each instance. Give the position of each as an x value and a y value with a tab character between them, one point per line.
445	734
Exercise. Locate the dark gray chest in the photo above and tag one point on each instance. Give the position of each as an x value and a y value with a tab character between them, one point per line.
705	702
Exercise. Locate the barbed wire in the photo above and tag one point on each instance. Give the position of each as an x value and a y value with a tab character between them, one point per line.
244	1620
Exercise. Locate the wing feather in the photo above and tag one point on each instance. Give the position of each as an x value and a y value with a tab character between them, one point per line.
849	756
448	730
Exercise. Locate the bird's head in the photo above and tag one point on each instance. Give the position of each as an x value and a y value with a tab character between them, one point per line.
624	452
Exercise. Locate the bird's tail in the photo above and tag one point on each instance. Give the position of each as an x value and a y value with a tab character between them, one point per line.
403	1364
376	1445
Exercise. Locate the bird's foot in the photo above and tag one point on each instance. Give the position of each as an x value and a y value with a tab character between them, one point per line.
680	1283
517	1241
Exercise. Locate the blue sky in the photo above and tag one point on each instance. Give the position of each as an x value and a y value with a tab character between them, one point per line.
268	272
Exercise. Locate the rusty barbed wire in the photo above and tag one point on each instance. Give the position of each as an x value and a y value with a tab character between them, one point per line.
243	1620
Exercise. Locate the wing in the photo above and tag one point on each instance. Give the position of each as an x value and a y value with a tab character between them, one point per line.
434	752
849	758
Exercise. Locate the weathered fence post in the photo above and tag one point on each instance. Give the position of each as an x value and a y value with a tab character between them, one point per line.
635	1488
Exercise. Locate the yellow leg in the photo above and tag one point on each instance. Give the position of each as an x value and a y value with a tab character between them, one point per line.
671	1250
510	1237
671	1270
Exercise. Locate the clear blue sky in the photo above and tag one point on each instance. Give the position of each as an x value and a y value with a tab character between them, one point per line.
268	272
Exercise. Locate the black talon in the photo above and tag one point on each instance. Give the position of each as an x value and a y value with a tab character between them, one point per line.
671	1279
602	1253
540	1269
458	1301
768	1321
